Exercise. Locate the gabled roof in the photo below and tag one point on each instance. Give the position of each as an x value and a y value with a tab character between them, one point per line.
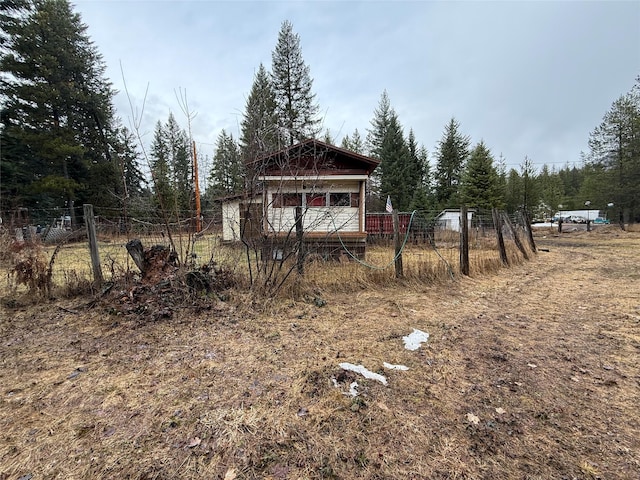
315	156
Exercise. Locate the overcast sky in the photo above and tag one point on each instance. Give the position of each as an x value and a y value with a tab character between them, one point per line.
528	78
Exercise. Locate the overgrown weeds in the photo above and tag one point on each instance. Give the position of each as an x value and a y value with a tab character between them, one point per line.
28	265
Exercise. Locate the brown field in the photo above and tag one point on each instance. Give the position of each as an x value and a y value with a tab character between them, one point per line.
530	372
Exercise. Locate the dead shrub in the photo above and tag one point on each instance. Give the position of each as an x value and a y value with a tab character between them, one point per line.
28	265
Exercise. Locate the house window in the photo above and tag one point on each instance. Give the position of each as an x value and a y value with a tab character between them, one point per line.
316	199
287	200
340	199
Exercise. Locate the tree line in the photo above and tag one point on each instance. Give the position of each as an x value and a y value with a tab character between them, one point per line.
63	144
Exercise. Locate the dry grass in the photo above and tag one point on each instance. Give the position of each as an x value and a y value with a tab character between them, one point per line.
544	354
71	272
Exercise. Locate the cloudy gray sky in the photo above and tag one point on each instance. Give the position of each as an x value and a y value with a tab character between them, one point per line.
528	78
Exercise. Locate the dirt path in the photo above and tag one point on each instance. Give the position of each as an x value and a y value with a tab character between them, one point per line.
530	373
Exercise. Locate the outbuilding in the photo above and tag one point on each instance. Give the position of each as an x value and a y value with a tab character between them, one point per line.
312	189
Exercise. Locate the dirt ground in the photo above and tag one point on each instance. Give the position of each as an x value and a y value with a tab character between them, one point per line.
531	373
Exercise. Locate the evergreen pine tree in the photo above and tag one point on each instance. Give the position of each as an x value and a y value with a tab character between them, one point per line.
480	186
420	169
379	126
353	142
259	127
374	144
501	168
453	150
226	176
615	146
160	159
513	191
57	114
530	195
400	174
180	166
295	103
551	191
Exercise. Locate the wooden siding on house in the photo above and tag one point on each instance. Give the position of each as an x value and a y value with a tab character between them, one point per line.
315	219
231	221
320	219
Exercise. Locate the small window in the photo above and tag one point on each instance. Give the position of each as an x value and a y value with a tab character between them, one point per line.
340	199
316	199
287	200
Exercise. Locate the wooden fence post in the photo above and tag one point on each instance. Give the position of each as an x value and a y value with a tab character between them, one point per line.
516	237
527	228
398	244
90	222
497	223
299	238
464	241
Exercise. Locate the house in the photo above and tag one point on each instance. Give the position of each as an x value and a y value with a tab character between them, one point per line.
312	189
449	219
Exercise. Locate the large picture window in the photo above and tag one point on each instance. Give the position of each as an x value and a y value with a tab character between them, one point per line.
281	200
316	199
287	200
340	199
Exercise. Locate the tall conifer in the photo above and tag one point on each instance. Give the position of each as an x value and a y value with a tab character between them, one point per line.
295	103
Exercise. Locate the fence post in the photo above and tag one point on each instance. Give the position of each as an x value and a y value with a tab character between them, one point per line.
527	228
398	244
516	237
464	241
299	235
497	222
90	222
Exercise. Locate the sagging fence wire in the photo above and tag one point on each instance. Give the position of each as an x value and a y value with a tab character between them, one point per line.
72	261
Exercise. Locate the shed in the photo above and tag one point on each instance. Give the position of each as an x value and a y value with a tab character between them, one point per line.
449	219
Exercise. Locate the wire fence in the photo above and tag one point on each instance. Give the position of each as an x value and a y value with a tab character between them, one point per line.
430	246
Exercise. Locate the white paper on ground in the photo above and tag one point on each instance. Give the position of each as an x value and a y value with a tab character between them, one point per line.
394	367
415	339
364	372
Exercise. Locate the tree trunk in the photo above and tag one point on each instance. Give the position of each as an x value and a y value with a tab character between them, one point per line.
135	249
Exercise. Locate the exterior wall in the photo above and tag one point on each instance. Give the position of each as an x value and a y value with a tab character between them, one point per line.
231	221
326	219
451	220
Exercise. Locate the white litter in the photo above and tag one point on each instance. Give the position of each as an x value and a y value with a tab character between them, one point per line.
353	389
415	339
394	367
364	372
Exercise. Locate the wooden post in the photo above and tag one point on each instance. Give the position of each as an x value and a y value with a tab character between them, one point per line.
90	222
299	237
497	223
527	227
398	244
464	241
516	237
